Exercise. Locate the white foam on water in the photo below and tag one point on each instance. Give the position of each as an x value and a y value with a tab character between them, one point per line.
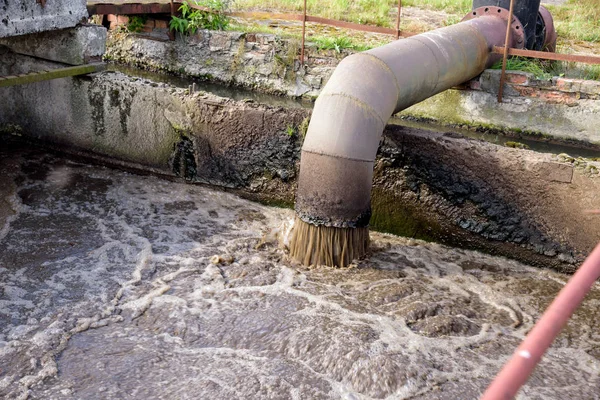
136	308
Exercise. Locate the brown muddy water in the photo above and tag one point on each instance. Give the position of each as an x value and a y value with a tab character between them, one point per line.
120	286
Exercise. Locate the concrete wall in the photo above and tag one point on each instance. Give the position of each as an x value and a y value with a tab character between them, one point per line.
466	193
28	16
565	109
74	46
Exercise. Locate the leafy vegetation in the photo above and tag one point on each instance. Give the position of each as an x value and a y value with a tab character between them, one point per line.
333	43
193	19
136	23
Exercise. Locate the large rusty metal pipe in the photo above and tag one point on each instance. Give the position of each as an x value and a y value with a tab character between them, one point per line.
334	187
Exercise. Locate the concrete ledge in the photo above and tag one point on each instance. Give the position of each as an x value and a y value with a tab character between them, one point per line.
24	17
73	46
564	109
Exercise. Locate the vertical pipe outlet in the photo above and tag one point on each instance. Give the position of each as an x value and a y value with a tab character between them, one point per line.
334	186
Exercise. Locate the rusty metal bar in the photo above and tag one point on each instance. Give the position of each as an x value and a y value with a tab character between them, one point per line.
398	19
549	56
516	372
129	8
506	47
303	34
350	25
33	77
173	11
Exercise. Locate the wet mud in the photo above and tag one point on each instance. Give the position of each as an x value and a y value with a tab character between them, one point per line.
114	285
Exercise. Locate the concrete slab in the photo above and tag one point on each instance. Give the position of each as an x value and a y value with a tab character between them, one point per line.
24	17
73	46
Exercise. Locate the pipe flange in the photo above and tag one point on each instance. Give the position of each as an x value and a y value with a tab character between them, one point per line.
550	36
518	32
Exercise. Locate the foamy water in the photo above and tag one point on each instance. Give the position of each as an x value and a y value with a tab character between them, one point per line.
118	286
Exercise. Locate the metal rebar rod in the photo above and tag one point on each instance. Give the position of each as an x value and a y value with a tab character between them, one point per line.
398	19
506	47
303	34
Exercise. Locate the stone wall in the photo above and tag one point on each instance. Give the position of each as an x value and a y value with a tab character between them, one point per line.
258	61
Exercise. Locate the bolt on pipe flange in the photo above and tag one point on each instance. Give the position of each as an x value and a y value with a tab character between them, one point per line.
518	32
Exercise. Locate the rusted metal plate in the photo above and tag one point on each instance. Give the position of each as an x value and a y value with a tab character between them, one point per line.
549	56
51	74
518	32
125	8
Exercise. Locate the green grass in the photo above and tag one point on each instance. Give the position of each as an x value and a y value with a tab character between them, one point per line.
538	68
373	12
577	19
461	7
545	69
338	43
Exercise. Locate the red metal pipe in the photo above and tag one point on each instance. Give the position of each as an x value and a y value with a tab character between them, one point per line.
516	372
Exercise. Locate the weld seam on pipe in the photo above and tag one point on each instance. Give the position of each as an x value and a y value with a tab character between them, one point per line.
437	62
362	103
320	153
386	66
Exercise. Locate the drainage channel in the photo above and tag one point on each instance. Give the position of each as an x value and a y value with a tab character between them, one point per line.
239	94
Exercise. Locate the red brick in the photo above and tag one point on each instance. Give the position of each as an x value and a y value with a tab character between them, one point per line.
519	79
111	17
122	19
160	24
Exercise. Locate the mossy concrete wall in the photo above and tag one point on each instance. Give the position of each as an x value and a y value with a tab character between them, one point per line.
560	109
565	109
441	187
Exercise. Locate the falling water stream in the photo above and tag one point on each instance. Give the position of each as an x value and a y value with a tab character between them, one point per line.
120	286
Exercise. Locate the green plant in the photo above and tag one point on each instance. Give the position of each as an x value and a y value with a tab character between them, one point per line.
212	17
538	68
136	23
290	131
303	128
334	43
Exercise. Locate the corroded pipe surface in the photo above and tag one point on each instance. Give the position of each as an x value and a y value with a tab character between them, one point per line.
334	187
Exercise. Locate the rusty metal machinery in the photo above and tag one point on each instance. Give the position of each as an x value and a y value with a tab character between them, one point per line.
536	21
